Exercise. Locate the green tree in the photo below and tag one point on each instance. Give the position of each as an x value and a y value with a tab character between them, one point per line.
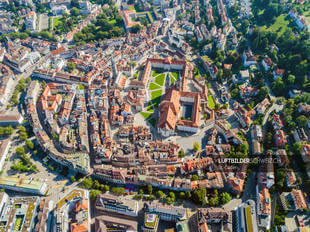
196	146
71	66
169	200
106	188
74	11
149	189
199	196
72	178
8	130
46	35
50	167
214	201
87	183
160	194
279	220
302	121
94	193
225	198
245	25
182	195
96	184
188	195
263	93
172	195
118	190
135	28
291	79
29	144
278	86
194	177
20	151
297	147
181	153
23	135
75	3
291	126
22	129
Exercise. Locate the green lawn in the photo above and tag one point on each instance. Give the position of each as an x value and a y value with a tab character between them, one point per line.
160	79
154	86
172	80
156	94
156	98
146	115
150	108
132	7
279	25
175	75
211	102
156	72
56	21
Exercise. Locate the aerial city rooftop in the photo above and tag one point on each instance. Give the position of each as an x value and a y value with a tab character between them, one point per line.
160	115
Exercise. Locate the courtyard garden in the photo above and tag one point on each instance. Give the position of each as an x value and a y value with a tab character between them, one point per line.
173	77
160	79
211	102
156	88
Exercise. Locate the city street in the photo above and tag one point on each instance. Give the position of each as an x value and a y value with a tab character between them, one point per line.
275	107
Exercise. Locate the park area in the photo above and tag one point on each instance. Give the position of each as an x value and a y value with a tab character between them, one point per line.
56	21
279	26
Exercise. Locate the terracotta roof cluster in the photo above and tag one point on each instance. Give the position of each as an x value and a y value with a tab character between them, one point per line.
167	61
49	101
264	201
280	138
81	224
268	61
127	18
196	164
243	116
283	158
136	133
276	121
299	199
44	210
170	108
136	98
291	178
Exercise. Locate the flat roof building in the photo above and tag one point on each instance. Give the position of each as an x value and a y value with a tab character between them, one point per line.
167	213
108	204
23	185
246	217
18	214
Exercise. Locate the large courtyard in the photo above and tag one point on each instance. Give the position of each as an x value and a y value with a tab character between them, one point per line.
158	82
